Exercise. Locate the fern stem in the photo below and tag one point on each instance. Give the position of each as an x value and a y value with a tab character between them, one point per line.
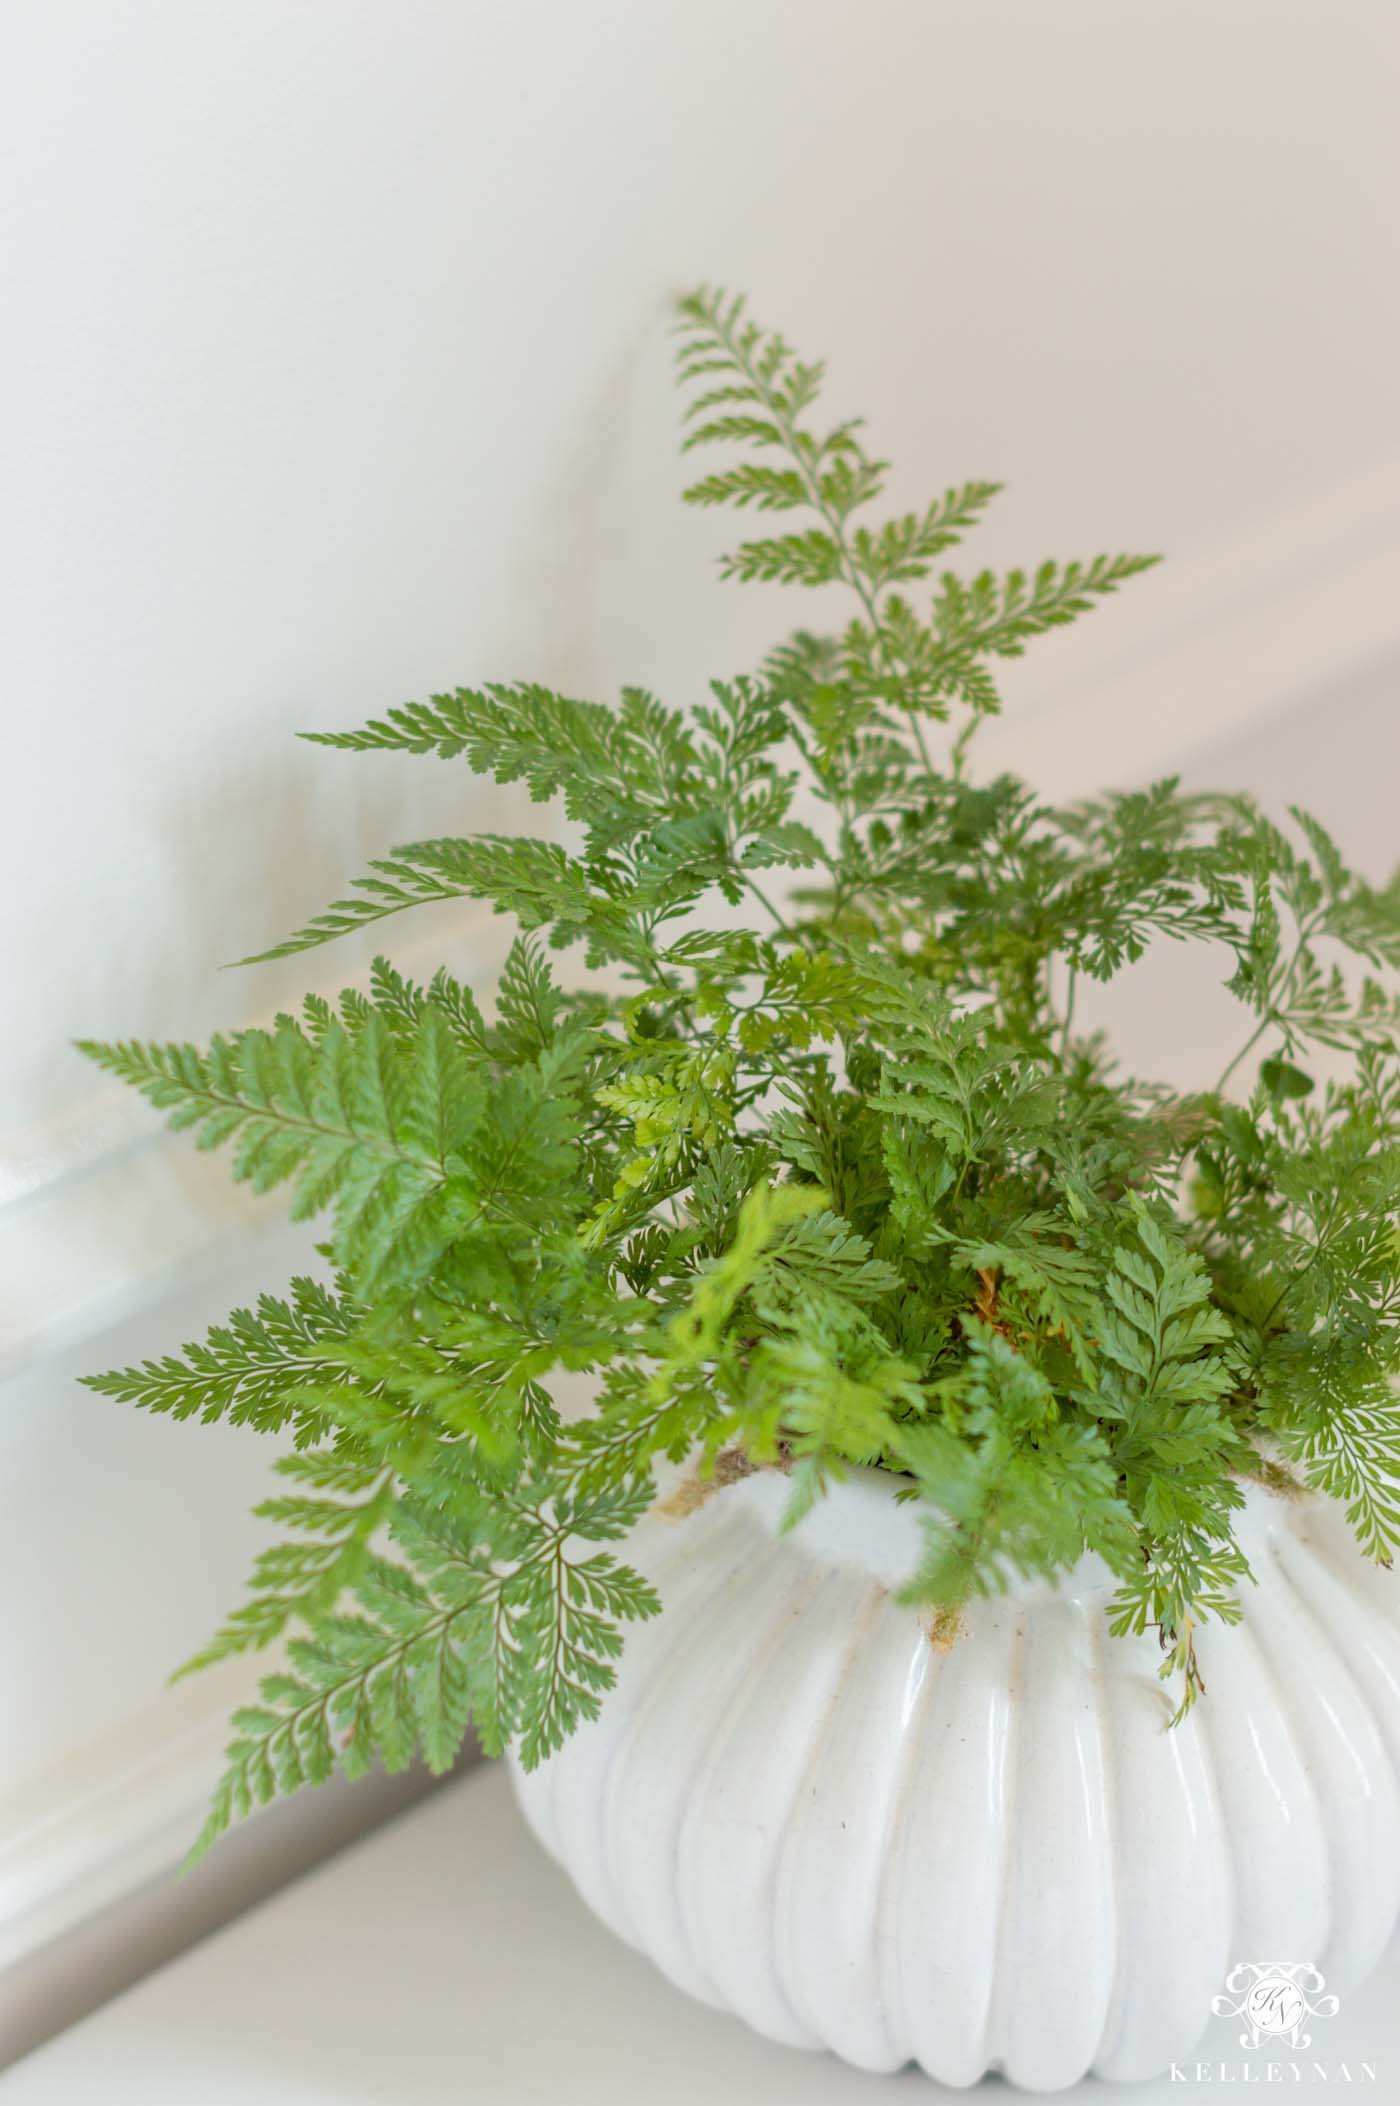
1071	989
962	742
836	526
920	741
768	906
1306	932
1250	1043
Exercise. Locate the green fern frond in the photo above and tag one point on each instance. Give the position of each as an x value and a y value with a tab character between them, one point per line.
515	1630
247	1367
998	616
303	1580
903	549
1162	1327
398	883
1352	1454
750	483
524	732
354	1123
810	558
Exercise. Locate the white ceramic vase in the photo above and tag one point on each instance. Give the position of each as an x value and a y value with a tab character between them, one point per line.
990	1856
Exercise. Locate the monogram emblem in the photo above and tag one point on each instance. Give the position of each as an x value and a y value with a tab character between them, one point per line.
1275	1998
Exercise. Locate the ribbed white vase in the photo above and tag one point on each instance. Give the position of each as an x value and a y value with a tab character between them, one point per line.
991	1856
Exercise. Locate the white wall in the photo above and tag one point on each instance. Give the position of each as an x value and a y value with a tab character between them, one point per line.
335	369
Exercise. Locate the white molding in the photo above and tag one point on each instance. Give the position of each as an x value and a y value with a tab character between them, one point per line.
115	1814
124	1911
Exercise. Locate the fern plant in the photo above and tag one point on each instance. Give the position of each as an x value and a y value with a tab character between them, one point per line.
830	1178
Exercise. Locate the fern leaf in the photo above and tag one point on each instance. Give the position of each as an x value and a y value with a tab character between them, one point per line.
516	1629
812	558
904	548
304	1580
998	617
397	884
597	757
247	1367
1353	1455
358	1124
750	483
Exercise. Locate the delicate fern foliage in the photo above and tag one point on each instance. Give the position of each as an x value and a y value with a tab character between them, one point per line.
389	1127
754	390
511	1624
303	1579
244	1370
1354	1455
802	1163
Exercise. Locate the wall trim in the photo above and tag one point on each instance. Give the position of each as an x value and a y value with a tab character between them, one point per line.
117	1813
126	1911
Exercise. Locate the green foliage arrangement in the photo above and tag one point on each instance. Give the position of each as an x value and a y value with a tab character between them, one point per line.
842	1186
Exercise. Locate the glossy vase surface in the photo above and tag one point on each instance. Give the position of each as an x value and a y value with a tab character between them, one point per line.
988	1853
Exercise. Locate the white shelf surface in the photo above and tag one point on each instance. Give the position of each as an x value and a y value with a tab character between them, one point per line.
444	1961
